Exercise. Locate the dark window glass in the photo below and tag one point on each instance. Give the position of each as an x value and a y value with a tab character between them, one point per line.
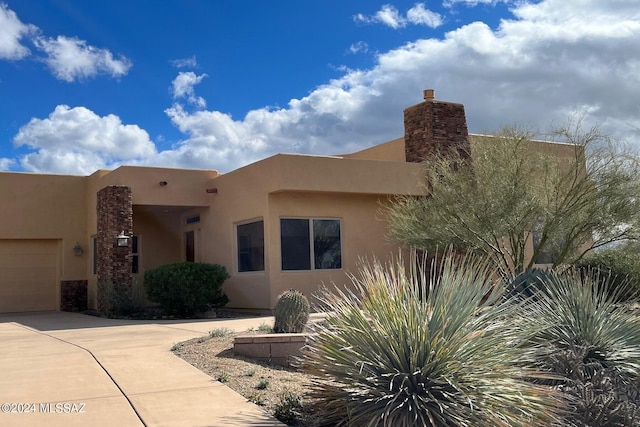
326	244
251	246
134	255
294	244
190	246
193	219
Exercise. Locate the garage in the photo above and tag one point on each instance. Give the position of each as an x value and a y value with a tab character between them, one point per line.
28	275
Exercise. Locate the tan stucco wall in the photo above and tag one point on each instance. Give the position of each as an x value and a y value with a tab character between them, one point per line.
36	206
390	151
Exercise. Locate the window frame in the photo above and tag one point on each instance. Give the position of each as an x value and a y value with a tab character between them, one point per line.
237	246
312	260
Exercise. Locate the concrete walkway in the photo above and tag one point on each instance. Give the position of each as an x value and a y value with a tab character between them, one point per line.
69	369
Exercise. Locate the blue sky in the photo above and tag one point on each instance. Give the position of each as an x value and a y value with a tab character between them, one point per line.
95	84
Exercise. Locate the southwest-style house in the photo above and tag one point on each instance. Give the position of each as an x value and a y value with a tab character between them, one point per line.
288	221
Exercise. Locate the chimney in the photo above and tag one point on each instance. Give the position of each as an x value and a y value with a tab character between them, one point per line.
433	126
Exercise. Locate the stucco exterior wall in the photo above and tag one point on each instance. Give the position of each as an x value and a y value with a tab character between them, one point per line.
36	206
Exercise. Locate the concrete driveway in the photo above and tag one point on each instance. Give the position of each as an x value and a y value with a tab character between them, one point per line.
69	369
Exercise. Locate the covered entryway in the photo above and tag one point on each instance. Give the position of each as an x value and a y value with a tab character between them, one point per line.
28	275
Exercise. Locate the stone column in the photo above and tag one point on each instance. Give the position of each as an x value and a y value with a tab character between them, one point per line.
433	126
113	263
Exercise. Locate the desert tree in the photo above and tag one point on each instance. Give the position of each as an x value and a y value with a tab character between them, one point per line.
521	201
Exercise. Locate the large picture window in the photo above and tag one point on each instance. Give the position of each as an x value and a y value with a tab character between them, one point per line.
250	241
308	244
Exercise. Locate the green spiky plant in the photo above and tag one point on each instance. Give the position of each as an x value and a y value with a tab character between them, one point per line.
420	348
291	312
593	341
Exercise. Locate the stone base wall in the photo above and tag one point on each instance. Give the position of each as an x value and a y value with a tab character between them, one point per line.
279	349
73	295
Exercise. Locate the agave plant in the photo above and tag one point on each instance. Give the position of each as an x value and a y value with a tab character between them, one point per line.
424	348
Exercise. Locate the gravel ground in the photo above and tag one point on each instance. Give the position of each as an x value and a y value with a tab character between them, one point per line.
265	385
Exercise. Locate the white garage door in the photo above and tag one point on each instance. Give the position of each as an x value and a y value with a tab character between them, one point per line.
28	275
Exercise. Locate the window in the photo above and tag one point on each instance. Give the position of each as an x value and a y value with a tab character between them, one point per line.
250	241
310	244
135	255
193	220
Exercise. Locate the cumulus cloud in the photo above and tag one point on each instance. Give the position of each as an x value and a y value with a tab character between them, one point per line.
182	87
6	164
390	16
12	31
550	59
472	3
78	141
70	59
190	62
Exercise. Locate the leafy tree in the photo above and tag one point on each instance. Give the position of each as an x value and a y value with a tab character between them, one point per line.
518	200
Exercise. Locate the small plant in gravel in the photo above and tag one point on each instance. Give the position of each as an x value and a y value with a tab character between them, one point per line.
288	409
177	346
251	372
265	329
220	332
291	312
257	399
223	377
263	384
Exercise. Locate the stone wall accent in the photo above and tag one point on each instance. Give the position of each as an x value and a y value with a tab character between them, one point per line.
73	295
279	349
433	126
113	263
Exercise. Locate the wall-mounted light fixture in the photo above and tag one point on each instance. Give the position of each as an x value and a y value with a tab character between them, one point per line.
163	183
122	239
77	249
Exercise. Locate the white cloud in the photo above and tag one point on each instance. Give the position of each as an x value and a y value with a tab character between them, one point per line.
182	87
70	59
359	47
190	62
12	31
418	15
472	3
6	164
550	59
78	141
390	16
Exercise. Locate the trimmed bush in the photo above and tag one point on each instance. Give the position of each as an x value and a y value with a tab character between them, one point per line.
291	312
185	288
424	348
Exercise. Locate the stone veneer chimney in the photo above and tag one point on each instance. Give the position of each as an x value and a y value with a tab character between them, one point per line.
433	126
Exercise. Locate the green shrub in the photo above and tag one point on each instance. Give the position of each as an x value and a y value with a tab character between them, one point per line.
425	348
620	268
187	287
291	312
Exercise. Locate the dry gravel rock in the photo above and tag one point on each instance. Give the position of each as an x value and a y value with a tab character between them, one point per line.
262	384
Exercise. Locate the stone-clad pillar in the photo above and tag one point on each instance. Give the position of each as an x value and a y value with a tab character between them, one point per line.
113	263
433	126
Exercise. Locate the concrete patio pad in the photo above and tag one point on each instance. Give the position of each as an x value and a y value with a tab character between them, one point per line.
69	369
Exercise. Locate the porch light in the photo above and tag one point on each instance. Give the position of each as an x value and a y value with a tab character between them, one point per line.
122	239
77	249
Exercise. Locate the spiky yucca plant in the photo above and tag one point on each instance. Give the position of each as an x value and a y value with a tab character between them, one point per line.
579	311
592	341
416	348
